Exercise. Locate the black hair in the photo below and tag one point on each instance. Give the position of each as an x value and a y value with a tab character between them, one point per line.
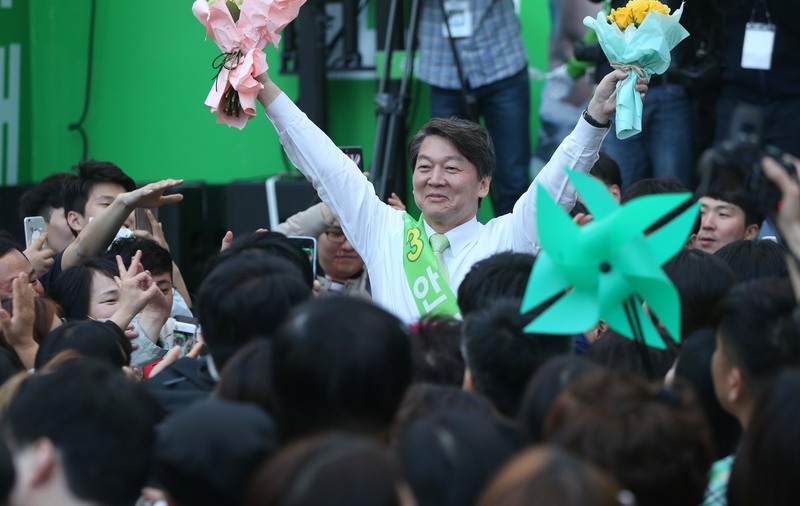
271	243
755	259
8	474
501	357
607	170
100	423
73	288
89	173
759	330
702	281
470	139
339	363
620	354
544	387
7	244
247	298
653	186
694	366
155	258
500	276
246	376
102	341
745	201
44	197
436	351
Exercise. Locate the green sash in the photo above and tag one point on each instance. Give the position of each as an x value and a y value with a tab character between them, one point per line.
431	292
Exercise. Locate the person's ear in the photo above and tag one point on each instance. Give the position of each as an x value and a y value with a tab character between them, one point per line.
615	191
43	461
468	385
751	231
483	186
75	221
690	241
736	388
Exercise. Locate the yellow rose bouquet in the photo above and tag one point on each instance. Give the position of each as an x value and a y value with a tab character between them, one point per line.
636	38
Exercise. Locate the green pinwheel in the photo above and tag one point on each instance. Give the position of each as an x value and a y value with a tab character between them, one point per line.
607	268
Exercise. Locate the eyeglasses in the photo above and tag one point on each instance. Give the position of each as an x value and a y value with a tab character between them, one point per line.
335	236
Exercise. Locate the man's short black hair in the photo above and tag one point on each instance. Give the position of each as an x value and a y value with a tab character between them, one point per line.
339	363
245	298
7	243
76	190
155	258
501	276
98	420
501	357
755	259
607	170
653	186
45	196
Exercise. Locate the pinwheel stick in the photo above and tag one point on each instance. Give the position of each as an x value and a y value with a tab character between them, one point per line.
635	323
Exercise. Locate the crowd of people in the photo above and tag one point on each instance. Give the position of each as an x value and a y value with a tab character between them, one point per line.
400	371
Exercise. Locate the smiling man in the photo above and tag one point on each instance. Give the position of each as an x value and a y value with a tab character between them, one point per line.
726	218
416	266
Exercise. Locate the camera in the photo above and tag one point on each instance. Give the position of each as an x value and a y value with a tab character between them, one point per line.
735	165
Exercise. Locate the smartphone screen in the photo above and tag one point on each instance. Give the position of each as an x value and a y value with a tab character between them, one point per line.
34	227
184	335
309	247
356	154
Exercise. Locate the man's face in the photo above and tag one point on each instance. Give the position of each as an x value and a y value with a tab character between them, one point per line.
11	265
59	236
164	283
446	184
336	255
721	223
100	197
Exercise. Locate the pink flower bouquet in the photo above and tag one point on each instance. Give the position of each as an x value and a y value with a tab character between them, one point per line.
241	29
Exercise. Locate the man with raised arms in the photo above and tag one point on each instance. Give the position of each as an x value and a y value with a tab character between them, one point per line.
415	266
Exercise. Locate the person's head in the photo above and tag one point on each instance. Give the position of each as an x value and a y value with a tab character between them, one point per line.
245	297
501	276
155	259
81	431
448	457
501	357
246	376
544	388
551	475
94	189
101	341
757	337
339	363
88	290
436	351
46	200
606	170
694	366
766	467
653	186
452	162
621	354
12	263
336	255
333	469
754	259
654	441
206	453
725	218
702	281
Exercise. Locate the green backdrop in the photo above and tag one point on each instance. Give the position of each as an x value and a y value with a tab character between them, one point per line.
151	74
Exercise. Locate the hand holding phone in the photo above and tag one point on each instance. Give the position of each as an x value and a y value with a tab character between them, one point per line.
309	247
34	228
184	335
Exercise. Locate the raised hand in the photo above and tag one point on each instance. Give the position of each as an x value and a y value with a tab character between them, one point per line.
152	195
604	101
18	329
41	259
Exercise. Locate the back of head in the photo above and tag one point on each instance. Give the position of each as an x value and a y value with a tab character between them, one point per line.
501	357
44	197
339	363
76	190
544	388
653	186
551	476
206	453
754	259
449	457
155	258
766	467
246	376
97	421
436	351
620	354
101	341
501	276
758	330
247	298
702	281
607	170
471	140
654	441
334	469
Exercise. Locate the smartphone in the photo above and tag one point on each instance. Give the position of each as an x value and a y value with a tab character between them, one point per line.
356	153
309	247
34	227
184	335
140	218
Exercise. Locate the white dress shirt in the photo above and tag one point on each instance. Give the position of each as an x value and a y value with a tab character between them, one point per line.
376	230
